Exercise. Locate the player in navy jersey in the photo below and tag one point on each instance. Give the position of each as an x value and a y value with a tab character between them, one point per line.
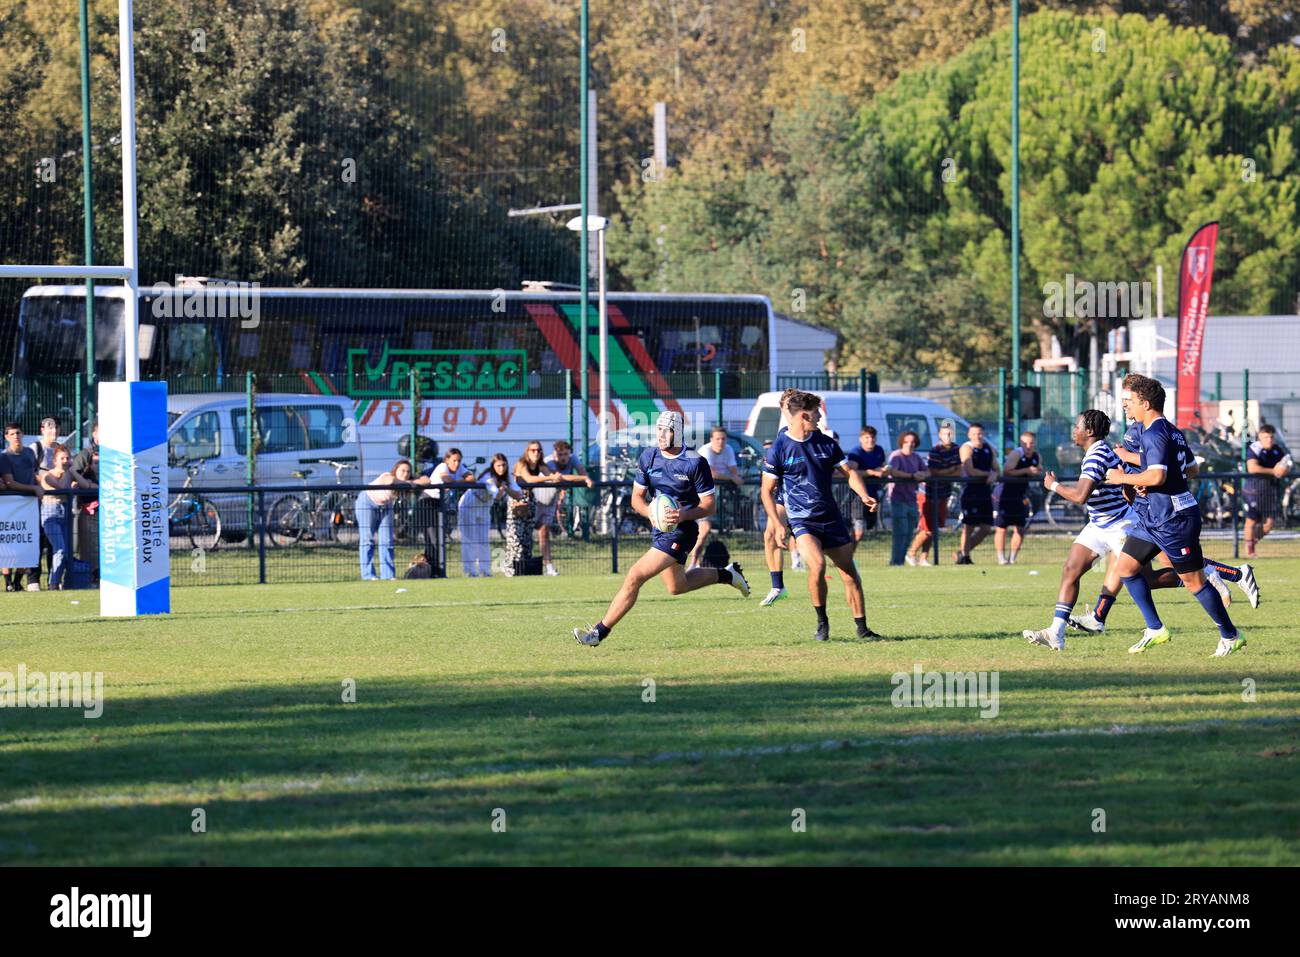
1109	521
1216	572
1022	464
978	464
803	460
1171	522
1266	462
775	555
677	470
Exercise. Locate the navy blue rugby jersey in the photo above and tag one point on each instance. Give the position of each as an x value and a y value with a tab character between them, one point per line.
685	476
804	470
1165	448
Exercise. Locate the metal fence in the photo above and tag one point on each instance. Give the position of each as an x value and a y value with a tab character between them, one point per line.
247	535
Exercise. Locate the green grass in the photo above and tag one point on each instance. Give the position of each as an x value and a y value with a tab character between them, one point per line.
471	696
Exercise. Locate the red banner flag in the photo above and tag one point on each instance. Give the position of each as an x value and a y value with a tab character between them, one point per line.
1193	307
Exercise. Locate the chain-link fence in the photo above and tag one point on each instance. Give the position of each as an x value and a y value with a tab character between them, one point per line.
237	535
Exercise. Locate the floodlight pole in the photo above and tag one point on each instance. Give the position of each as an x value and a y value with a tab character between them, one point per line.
88	202
1015	226
584	295
130	238
597	225
604	353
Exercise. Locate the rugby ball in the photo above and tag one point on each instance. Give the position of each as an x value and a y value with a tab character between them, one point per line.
659	507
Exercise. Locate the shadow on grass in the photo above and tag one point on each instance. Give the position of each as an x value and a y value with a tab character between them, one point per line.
589	772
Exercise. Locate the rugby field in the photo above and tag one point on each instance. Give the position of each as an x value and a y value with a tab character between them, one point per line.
706	730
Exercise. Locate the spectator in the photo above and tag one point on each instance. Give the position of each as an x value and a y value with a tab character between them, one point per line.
43	448
18	466
906	468
533	474
561	460
521	513
56	511
375	515
475	518
1266	461
722	462
932	499
86	461
977	464
868	459
87	509
1022	462
429	511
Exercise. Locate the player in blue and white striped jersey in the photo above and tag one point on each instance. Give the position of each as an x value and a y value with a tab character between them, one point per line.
1109	520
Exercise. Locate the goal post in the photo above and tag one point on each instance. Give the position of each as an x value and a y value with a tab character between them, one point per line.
134	560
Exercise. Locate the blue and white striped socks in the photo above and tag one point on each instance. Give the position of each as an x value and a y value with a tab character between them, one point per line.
1059	619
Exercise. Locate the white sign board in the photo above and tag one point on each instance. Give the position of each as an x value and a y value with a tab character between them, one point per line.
20	531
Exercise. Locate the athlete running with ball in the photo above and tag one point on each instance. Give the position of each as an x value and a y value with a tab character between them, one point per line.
671	468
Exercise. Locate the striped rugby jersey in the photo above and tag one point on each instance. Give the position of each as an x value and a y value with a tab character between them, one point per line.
1106	504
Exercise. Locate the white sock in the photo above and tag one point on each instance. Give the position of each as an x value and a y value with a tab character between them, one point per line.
1057	627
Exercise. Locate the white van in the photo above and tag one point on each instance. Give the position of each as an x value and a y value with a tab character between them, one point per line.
299	434
891	414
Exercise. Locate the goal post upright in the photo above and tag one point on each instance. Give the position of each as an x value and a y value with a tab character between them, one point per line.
134	554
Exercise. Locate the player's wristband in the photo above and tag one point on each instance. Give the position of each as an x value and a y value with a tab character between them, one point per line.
1054	486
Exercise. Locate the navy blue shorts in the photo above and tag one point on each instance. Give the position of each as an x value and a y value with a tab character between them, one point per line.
1011	514
677	543
831	534
1262	504
977	510
1179	538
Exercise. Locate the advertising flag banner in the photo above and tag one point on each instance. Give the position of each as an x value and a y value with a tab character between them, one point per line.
1193	307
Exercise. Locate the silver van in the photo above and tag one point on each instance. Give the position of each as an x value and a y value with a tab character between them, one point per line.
303	440
891	414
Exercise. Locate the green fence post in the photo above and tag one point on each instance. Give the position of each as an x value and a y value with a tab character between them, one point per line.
1218	387
250	447
76	433
862	397
415	416
1121	375
717	392
1245	415
1002	411
568	402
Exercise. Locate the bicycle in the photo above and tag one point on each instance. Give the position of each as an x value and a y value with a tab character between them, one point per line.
313	516
191	516
1291	504
615	503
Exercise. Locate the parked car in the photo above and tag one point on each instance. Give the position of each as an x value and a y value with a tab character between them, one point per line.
302	440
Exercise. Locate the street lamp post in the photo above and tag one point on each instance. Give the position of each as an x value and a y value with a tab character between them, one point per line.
597	225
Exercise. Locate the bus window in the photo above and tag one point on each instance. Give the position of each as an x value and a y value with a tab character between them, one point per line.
191	350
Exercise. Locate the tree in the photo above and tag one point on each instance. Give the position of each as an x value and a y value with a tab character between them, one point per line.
1130	138
805	230
272	147
893	220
